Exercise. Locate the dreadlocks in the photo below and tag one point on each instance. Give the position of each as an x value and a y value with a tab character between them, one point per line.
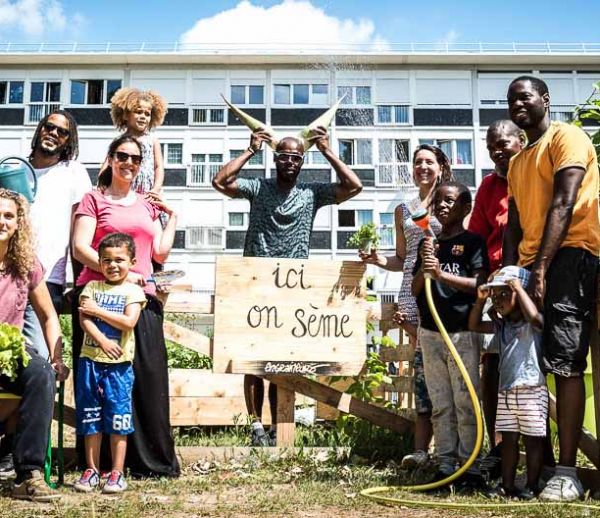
71	149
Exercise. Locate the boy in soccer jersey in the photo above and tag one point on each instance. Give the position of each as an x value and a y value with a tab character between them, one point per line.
108	312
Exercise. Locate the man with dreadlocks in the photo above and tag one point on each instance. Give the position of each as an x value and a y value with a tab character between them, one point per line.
61	183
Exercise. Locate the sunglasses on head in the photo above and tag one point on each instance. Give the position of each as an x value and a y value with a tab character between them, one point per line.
121	156
62	132
283	157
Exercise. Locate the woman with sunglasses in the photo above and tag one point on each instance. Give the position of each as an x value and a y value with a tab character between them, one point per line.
430	167
115	207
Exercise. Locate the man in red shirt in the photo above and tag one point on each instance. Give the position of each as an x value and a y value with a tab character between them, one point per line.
488	219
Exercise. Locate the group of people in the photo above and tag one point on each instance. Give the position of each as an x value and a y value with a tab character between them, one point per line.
531	245
118	234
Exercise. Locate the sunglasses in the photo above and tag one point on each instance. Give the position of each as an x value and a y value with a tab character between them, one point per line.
62	132
284	157
121	156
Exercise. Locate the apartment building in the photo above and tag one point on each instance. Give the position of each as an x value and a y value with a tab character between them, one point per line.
394	101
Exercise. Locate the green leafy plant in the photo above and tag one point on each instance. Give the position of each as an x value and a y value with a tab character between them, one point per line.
179	357
364	238
590	109
12	350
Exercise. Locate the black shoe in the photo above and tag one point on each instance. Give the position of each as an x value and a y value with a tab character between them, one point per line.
501	492
272	437
491	464
7	467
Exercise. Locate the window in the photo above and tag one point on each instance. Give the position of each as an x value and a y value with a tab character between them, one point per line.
97	91
355	94
394	167
354	218
315	158
247	94
207	116
204	237
44	98
204	168
300	94
393	114
356	151
172	153
238	219
386	230
256	159
11	92
459	151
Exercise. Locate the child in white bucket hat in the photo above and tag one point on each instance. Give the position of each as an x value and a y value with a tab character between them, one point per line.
523	396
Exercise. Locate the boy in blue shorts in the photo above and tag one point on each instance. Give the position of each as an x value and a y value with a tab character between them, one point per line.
523	397
108	311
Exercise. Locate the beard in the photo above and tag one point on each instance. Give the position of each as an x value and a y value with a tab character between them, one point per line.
57	150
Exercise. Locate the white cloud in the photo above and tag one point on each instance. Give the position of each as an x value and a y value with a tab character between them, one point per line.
36	18
292	24
450	37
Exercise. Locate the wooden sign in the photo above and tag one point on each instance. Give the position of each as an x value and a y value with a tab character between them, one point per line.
289	316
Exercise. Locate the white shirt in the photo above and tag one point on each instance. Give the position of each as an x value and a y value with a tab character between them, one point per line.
58	188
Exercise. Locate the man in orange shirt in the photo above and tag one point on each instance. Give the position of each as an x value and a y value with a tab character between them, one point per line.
554	230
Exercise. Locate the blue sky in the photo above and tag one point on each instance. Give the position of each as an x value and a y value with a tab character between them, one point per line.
355	20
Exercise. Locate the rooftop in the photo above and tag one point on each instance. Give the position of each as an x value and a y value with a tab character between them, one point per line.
395	53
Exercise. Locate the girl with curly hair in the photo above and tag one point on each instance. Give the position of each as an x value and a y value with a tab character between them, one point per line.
21	277
137	113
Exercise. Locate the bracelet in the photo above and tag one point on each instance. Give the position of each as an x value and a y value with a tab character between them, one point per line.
252	152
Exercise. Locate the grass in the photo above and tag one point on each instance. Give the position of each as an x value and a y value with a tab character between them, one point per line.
258	485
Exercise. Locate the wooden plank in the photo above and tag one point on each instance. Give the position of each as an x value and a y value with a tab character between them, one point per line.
587	443
289	310
176	305
286	429
211	411
190	339
315	390
402	353
387	312
403	384
294	367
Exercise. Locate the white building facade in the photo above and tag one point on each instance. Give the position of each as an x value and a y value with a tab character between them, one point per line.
394	101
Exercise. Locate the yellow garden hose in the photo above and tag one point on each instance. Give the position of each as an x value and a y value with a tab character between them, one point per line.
374	493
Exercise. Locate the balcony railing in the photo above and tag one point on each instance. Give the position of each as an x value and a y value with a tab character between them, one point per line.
149	47
393	175
204	237
37	111
201	175
562	113
200	116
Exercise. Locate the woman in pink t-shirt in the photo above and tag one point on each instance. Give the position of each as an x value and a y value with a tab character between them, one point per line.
21	277
117	208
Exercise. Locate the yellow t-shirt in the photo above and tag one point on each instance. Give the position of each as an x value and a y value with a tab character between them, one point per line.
114	298
531	183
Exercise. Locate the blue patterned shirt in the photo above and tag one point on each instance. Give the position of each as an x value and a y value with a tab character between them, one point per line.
280	223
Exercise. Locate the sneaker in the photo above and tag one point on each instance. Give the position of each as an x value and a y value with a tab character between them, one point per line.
35	489
116	483
89	481
259	436
414	460
562	488
7	467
